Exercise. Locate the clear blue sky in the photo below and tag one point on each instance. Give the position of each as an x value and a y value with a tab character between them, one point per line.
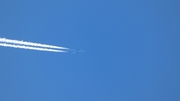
132	50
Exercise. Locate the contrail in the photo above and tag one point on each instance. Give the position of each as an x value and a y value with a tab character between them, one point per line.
31	48
30	43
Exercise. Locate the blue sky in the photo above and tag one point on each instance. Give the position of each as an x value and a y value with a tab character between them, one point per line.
132	50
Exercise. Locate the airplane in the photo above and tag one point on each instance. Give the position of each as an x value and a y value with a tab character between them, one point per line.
73	51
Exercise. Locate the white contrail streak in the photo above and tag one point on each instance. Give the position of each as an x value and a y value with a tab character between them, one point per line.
31	48
30	43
